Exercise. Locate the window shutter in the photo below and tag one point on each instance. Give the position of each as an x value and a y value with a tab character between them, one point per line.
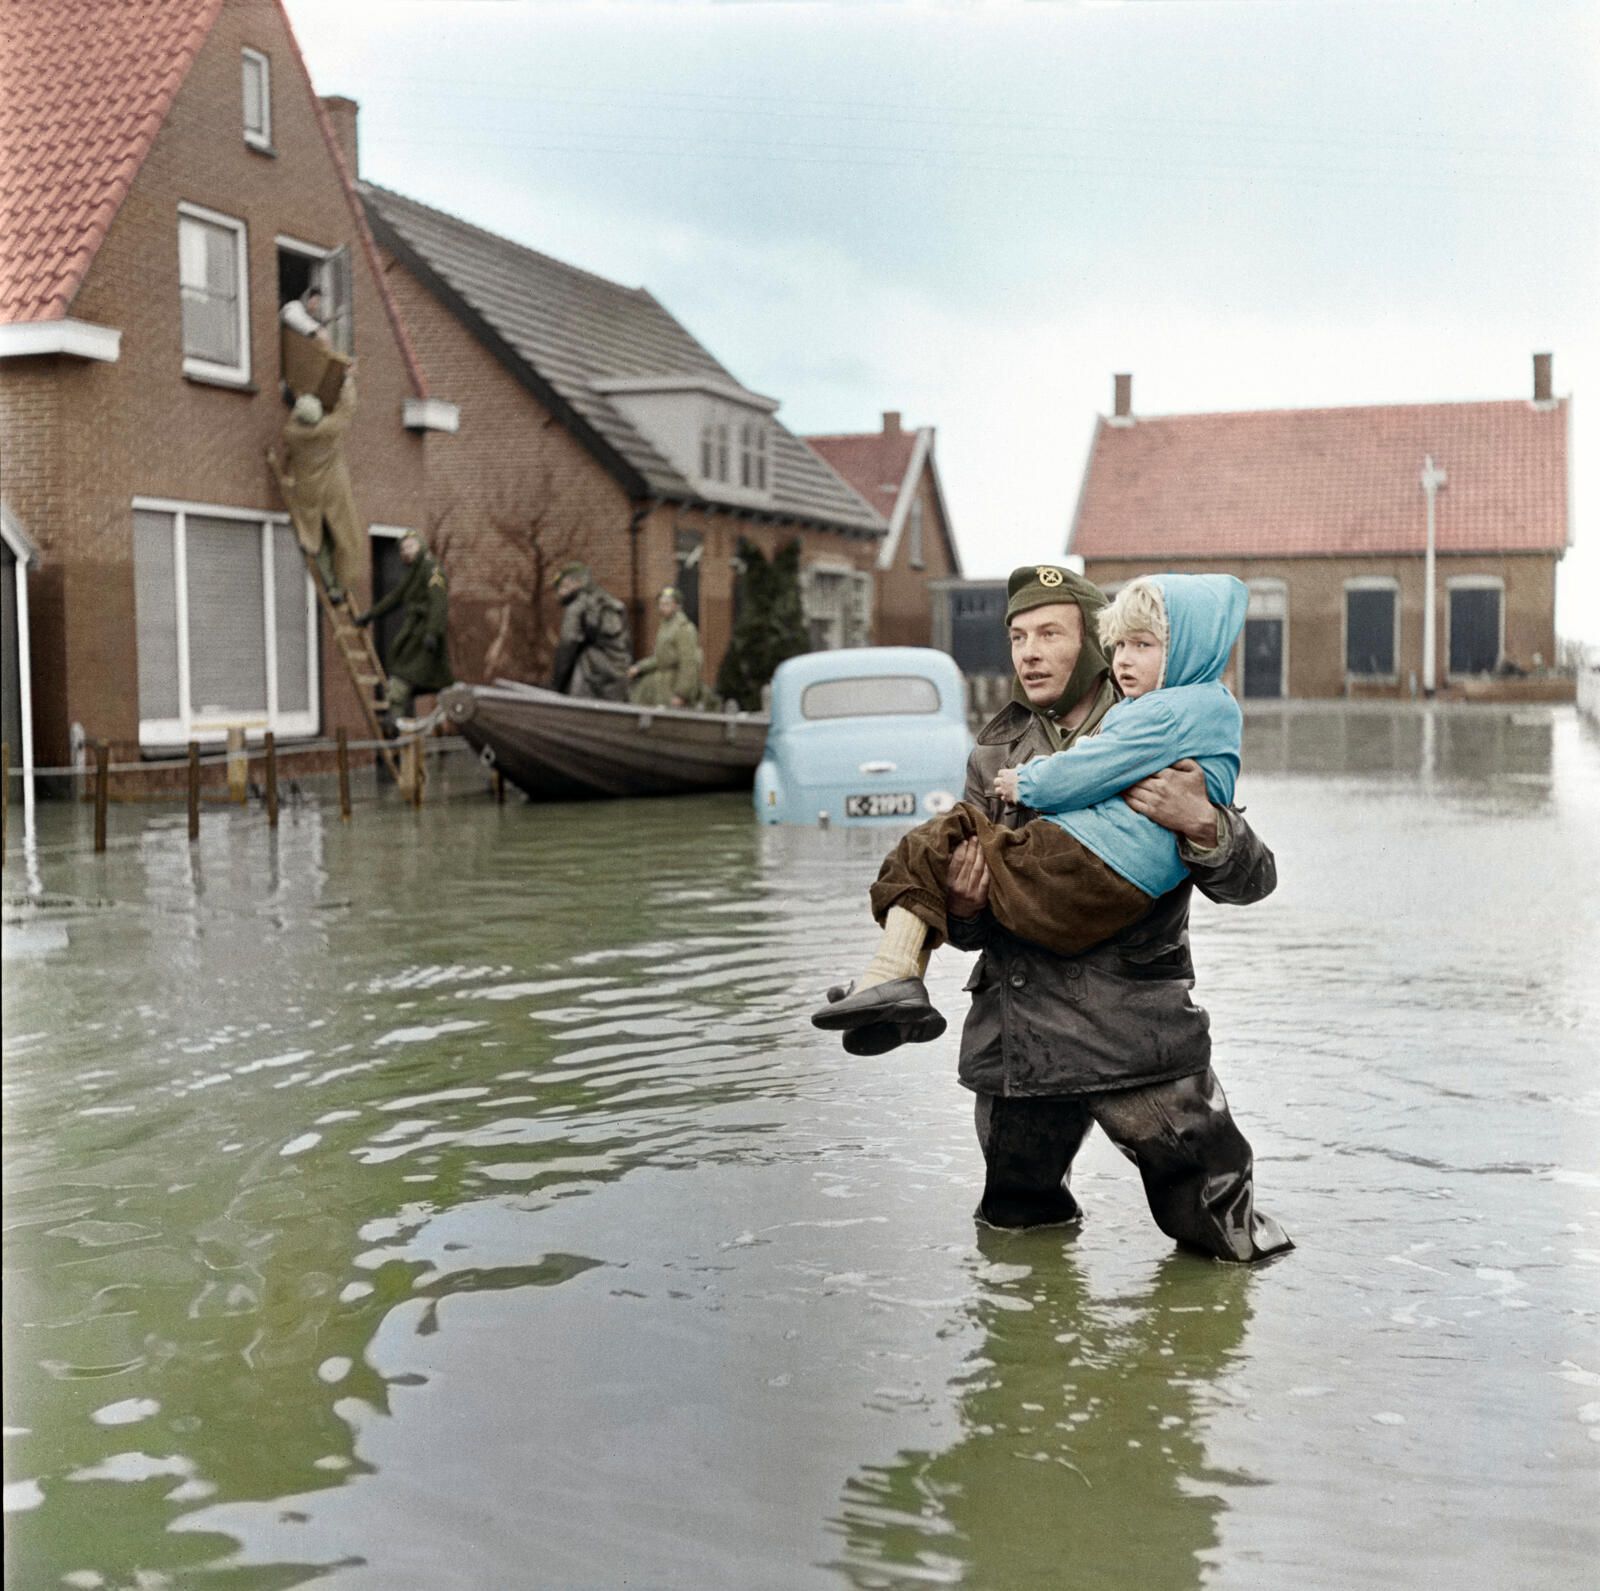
155	599
227	637
339	284
289	586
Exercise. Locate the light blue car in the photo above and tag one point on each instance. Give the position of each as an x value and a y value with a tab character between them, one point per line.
870	735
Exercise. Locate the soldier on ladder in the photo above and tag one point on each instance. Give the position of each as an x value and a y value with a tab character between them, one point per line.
315	483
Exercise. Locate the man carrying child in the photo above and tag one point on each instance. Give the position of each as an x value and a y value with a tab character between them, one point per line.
1081	1008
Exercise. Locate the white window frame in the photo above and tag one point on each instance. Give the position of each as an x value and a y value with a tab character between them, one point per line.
1370	583
165	732
916	553
257	138
1457	583
1268	586
207	369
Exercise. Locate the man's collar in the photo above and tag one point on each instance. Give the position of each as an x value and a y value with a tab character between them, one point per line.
1009	723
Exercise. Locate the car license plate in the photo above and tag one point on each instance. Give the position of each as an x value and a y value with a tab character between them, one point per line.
902	804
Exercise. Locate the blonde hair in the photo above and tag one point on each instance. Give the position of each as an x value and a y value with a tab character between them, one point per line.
1137	606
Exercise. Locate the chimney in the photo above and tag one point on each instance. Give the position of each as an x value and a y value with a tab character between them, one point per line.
1122	406
891	422
342	113
1541	378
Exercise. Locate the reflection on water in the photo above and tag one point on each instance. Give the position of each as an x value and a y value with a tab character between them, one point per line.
417	1201
1451	743
1081	1459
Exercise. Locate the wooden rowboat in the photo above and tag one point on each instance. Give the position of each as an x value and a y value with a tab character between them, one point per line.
568	748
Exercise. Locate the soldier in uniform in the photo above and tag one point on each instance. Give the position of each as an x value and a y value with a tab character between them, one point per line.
419	660
594	652
315	482
671	678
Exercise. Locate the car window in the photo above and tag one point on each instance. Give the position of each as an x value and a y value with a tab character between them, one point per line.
871	697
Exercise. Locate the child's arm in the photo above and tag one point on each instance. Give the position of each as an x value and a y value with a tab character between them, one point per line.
1139	741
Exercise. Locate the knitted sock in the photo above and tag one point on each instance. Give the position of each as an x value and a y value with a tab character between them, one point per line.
902	952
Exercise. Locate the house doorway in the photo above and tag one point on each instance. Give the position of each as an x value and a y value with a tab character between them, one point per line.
388	570
1265	651
1475	629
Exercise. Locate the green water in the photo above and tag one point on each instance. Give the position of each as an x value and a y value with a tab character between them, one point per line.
459	1199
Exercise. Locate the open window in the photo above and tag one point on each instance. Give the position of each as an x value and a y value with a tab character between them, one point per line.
302	266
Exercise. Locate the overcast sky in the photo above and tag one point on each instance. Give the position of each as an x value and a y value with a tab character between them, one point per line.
976	213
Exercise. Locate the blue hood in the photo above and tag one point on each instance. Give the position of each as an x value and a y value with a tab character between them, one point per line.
1205	614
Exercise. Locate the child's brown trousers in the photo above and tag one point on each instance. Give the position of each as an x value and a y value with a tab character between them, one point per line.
1045	886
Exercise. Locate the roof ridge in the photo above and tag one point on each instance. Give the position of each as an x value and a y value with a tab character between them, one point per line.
1342	408
502	239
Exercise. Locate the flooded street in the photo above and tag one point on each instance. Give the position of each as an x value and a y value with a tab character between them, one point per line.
461	1199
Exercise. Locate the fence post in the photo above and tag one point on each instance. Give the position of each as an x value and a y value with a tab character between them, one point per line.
344	774
194	791
102	791
238	766
499	788
272	779
412	771
5	797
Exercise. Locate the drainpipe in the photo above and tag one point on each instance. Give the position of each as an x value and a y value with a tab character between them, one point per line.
1432	479
641	512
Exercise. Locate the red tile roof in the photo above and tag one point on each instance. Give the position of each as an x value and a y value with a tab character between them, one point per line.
1328	482
874	463
87	87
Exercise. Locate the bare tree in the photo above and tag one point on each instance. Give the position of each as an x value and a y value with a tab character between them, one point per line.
540	521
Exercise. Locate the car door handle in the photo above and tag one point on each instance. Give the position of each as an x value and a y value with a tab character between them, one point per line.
878	767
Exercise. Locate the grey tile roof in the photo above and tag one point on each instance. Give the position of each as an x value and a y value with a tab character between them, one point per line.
568	329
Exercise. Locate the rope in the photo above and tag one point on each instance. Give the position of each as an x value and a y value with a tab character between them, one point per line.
221	759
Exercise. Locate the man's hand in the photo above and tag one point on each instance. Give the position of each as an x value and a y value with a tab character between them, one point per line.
966	890
1177	799
1005	785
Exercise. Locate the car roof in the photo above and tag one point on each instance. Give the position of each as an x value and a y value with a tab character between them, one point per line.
864	662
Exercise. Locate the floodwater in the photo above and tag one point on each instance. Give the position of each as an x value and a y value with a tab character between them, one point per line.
460	1199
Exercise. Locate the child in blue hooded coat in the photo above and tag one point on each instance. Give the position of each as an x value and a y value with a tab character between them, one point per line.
1089	865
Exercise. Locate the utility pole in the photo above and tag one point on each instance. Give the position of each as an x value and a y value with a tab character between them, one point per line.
1432	479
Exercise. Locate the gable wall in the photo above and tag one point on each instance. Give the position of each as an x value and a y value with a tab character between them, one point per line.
139	427
905	610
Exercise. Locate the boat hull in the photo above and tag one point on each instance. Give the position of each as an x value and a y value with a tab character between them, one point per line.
568	748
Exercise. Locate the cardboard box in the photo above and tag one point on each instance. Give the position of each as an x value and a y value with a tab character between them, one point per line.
308	367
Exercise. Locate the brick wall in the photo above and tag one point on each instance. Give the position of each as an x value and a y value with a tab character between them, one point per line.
83	439
1314	589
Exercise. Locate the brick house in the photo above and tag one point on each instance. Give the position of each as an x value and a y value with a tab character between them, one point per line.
895	471
1324	514
168	179
595	426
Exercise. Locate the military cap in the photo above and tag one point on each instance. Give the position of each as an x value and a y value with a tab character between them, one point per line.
1037	585
581	570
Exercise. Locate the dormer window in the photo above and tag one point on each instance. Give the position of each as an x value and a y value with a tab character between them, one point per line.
753	455
257	99
714	452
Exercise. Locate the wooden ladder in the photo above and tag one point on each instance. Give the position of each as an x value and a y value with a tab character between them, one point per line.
361	663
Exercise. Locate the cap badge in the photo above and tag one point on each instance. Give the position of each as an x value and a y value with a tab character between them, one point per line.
1049	577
